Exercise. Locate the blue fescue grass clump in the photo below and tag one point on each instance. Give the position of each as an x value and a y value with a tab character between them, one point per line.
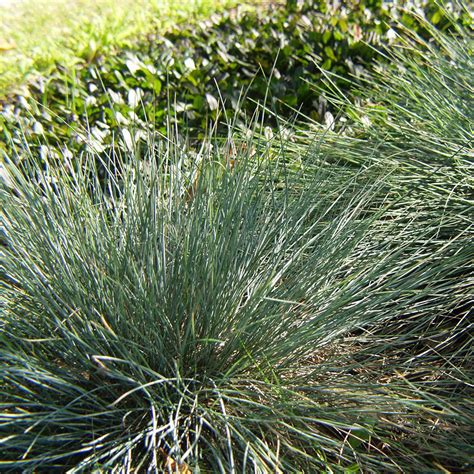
224	315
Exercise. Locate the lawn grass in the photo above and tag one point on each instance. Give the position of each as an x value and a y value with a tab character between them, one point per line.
36	35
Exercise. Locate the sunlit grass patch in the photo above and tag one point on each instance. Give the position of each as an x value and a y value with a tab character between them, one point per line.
37	35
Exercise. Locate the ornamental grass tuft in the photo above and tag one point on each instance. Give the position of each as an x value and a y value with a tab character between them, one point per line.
222	316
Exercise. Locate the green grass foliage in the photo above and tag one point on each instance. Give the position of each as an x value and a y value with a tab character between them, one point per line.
38	35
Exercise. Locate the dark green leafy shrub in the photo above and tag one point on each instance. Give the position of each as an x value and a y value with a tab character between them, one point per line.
270	56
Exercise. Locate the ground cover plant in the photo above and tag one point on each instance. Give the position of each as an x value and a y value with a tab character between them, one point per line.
271	54
277	300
